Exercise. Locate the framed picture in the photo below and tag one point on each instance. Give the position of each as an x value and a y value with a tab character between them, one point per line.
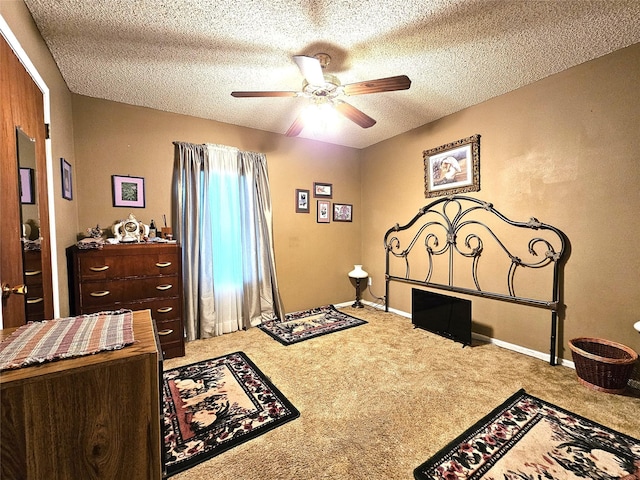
342	212
128	191
324	207
302	201
452	168
67	180
27	186
322	190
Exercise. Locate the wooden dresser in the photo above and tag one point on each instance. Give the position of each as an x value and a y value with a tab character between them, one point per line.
136	276
91	417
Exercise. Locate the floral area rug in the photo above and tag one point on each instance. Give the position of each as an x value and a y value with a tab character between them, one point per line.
527	438
299	326
212	406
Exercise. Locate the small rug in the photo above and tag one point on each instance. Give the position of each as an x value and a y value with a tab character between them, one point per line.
528	438
50	340
212	406
306	324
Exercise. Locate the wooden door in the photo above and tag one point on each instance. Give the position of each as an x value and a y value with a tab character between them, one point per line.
21	105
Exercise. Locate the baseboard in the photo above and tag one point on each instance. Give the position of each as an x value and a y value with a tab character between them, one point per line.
344	304
483	338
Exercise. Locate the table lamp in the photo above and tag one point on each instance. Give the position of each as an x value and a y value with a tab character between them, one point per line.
358	273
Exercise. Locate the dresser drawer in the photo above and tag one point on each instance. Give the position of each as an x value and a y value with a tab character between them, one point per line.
35	302
170	331
172	350
111	266
96	294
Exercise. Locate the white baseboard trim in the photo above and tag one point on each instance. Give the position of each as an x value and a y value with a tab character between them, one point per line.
500	343
523	350
343	304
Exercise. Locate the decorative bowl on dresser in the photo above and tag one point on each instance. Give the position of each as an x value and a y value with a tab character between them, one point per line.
134	276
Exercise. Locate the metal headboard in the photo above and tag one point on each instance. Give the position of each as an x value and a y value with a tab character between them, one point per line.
448	217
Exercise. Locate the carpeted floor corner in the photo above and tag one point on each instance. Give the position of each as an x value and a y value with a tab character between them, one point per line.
376	400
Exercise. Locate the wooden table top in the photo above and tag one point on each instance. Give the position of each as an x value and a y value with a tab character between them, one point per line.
144	343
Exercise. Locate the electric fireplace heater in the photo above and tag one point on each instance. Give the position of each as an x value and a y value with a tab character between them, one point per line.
443	315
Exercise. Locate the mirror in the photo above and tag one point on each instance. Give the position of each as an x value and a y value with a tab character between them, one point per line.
30	218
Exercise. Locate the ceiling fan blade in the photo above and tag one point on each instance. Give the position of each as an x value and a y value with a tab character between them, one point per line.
389	84
310	68
296	127
355	115
263	94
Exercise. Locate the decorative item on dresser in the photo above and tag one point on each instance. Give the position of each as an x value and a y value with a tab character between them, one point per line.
134	276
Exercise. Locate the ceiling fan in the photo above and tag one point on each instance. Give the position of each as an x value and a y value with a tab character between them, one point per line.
323	88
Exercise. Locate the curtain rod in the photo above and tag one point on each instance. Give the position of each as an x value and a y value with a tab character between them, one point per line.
176	142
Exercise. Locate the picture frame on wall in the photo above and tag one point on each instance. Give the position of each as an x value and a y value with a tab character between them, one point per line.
322	190
67	179
128	191
342	212
453	168
302	201
324	207
27	186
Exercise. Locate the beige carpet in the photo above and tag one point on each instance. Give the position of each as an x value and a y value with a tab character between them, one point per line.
377	400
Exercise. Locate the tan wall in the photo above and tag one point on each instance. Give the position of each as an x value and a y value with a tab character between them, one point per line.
17	16
312	259
565	150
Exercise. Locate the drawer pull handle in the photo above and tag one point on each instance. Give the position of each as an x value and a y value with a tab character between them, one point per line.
164	287
102	293
168	331
31	273
163	264
165	309
99	269
31	301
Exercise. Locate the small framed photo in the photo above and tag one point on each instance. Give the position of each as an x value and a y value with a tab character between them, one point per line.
27	186
67	180
322	190
452	168
324	207
128	191
302	201
342	212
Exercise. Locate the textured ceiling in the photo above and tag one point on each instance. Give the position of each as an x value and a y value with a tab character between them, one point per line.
187	56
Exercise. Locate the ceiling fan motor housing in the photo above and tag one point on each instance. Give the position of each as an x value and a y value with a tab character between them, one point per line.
330	89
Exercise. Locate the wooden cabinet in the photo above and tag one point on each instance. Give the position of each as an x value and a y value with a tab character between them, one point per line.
91	417
137	277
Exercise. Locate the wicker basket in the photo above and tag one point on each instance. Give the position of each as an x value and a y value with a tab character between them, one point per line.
601	364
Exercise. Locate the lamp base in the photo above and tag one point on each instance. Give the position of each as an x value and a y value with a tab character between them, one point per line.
357	303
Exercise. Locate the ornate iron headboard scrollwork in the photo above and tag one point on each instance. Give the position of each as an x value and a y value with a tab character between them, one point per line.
438	228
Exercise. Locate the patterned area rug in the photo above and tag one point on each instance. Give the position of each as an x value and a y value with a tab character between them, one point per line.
528	438
306	324
215	405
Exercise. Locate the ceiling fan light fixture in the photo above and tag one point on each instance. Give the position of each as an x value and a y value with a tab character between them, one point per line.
320	116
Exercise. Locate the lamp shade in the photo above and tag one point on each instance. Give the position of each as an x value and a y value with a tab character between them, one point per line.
358	272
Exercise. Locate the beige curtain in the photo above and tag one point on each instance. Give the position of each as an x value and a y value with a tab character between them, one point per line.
223	220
